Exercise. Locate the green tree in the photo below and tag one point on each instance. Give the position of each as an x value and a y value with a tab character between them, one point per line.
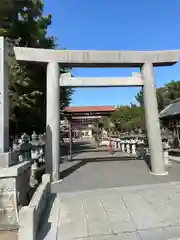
139	98
131	117
165	95
128	118
172	91
23	24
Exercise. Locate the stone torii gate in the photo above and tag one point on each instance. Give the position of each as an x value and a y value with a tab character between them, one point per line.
145	60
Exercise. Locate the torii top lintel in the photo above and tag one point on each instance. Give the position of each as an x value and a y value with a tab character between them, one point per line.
98	58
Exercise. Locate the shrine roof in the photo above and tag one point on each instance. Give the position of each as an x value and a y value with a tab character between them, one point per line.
88	109
171	110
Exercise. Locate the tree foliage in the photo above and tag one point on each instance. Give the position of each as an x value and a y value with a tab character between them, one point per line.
23	24
131	117
165	95
128	118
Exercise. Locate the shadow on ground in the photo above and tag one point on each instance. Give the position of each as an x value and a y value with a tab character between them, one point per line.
45	225
108	171
148	161
80	163
75	162
79	147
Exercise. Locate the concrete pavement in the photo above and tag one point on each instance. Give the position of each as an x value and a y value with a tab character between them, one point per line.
97	154
8	235
140	212
86	150
102	198
110	172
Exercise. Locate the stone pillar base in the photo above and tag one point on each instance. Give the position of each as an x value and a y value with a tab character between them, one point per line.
8	159
159	174
14	189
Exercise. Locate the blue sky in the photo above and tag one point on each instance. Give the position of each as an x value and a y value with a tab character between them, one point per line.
116	25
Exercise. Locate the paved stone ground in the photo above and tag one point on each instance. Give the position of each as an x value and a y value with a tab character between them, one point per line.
83	149
100	153
107	173
8	235
141	212
102	198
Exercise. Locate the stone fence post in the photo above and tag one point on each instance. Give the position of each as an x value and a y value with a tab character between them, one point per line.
127	146
133	148
123	146
166	148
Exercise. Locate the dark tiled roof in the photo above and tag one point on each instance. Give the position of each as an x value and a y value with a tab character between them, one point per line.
171	110
86	109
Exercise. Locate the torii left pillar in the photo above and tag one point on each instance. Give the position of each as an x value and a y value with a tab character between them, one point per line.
53	121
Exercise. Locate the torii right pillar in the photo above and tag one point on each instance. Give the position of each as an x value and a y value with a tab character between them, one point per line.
152	120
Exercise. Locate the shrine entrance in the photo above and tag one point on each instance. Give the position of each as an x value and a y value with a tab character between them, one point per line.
145	60
135	80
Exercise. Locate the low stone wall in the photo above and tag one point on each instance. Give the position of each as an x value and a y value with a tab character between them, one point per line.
30	216
14	189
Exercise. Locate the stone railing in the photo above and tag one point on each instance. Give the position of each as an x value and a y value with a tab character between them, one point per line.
137	147
31	149
127	145
30	216
19	180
